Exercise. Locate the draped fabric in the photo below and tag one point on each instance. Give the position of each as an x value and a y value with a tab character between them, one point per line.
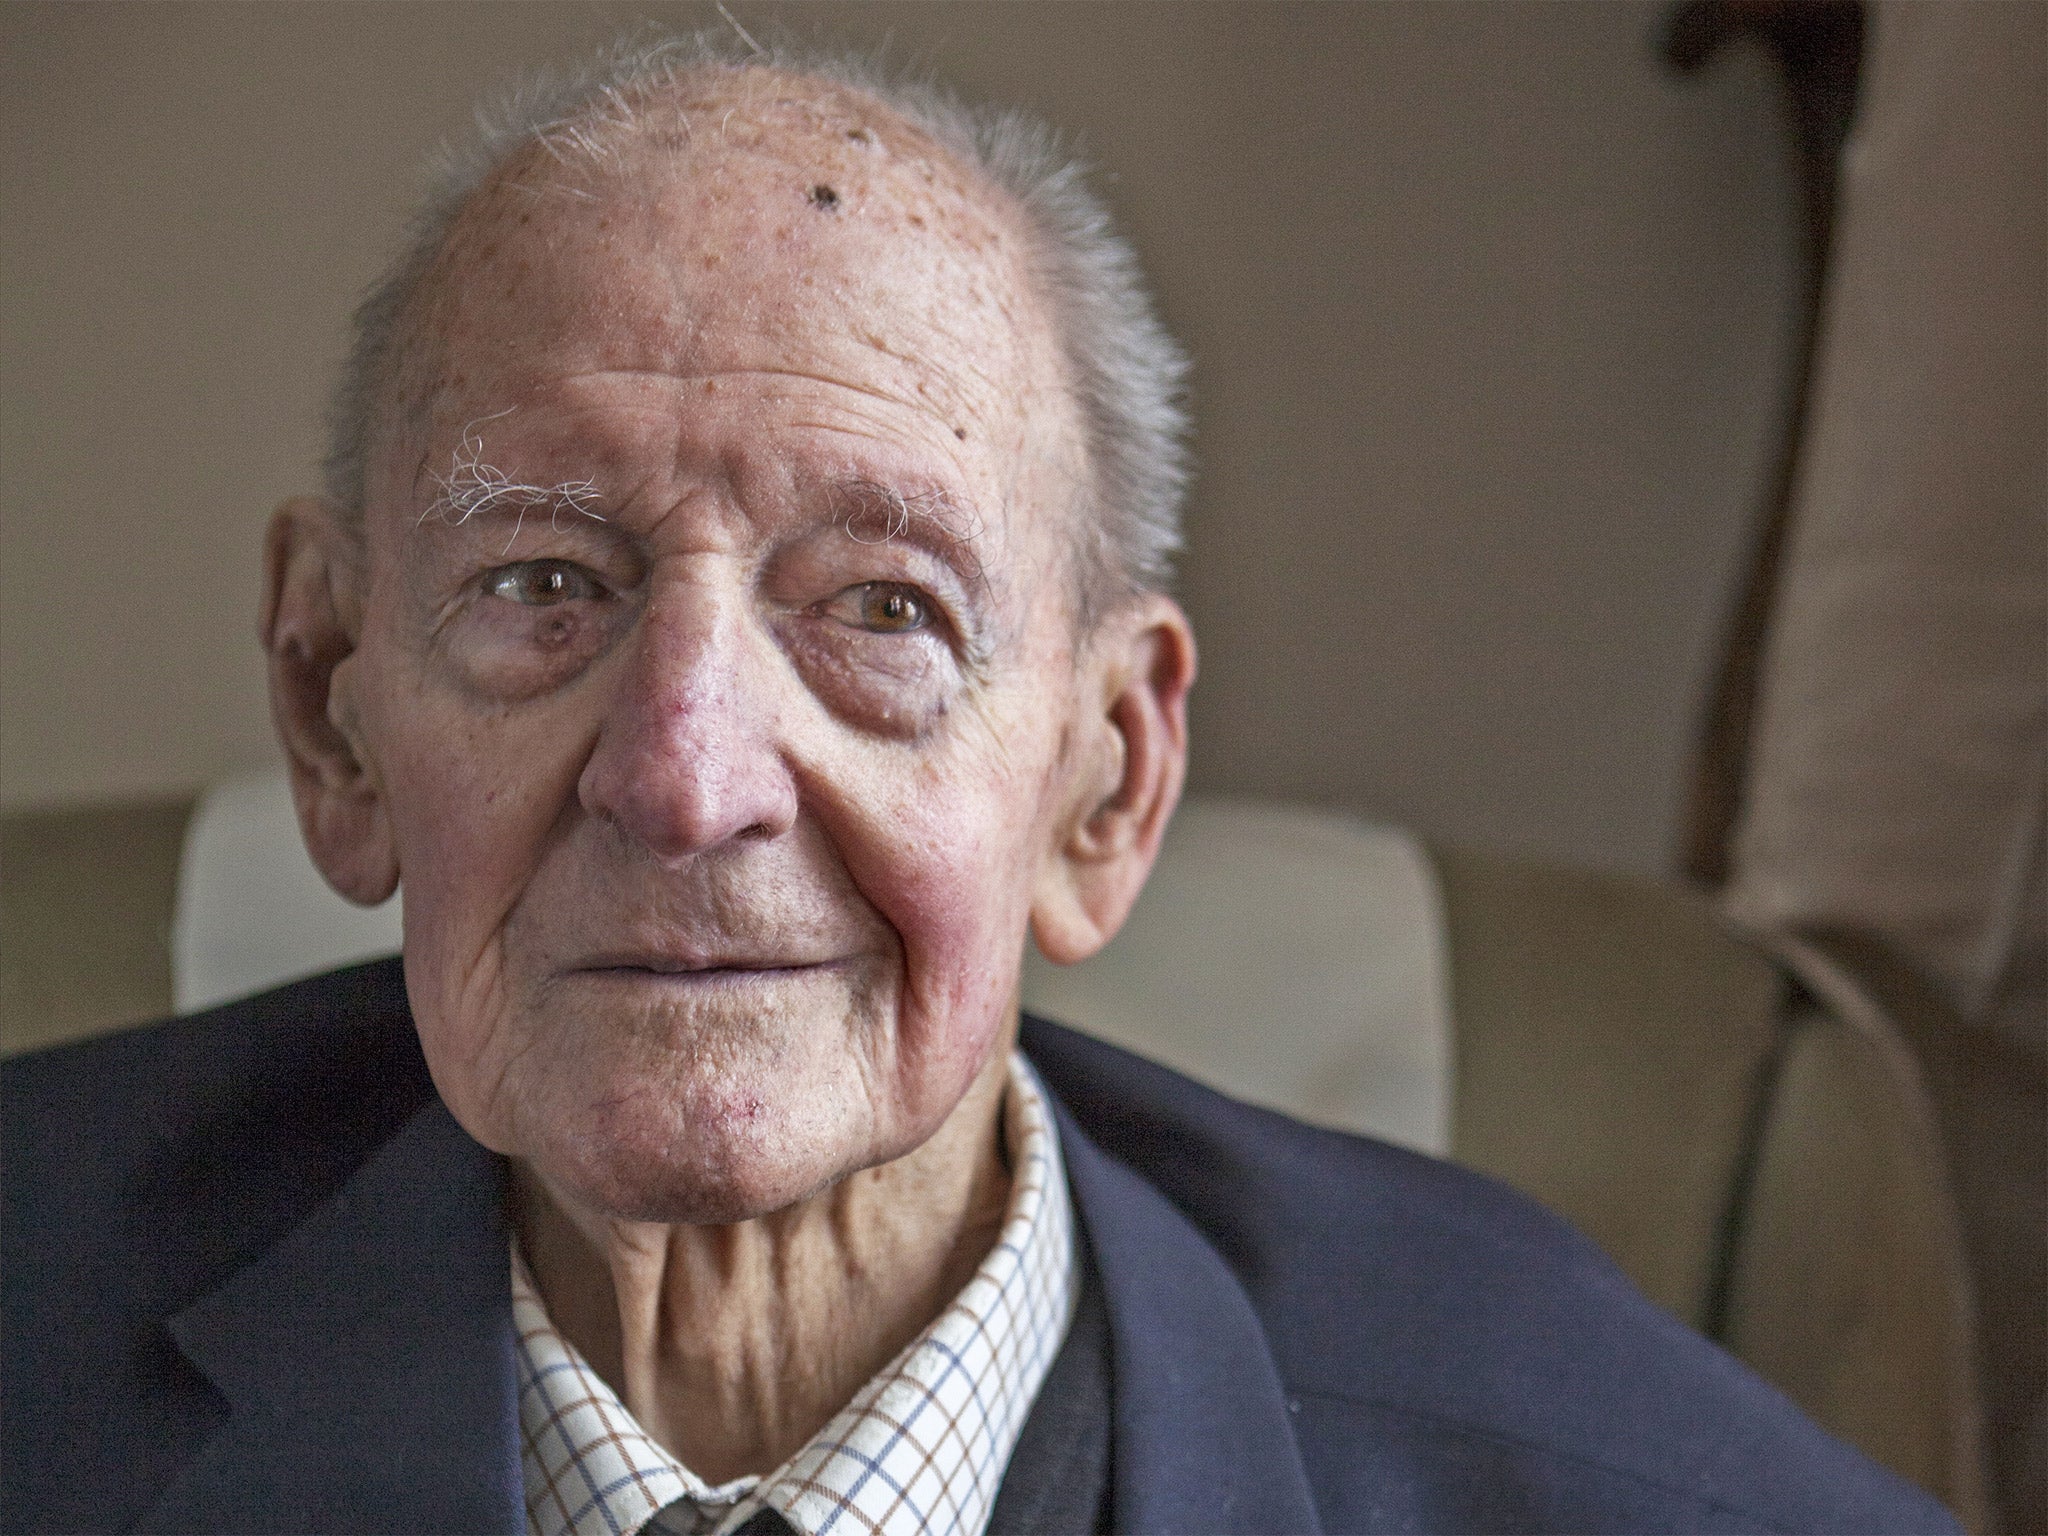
1894	806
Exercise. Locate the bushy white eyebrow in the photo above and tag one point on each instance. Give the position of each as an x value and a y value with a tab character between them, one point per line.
879	514
472	485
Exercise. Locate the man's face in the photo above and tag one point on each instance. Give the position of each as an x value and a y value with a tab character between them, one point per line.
719	819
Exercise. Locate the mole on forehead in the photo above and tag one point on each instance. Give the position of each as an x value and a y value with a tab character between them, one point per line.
758	138
742	136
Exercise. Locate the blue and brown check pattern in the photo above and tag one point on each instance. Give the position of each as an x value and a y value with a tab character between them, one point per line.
921	1448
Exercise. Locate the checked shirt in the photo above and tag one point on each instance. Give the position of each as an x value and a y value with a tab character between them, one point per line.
921	1448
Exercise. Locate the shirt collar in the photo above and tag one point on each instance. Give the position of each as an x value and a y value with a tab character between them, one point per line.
921	1448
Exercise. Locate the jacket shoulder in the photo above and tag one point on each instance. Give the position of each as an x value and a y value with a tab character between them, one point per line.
1425	1313
252	1112
143	1168
331	1060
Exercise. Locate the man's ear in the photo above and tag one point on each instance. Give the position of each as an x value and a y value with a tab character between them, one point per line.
1131	757
310	624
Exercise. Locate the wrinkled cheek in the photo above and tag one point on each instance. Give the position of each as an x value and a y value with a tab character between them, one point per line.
962	918
469	830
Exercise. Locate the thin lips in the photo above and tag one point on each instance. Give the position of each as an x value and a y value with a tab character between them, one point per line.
686	965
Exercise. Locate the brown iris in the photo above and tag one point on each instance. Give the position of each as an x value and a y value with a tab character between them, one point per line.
540	583
890	609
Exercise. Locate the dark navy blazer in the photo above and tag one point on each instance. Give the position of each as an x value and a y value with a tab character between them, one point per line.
254	1280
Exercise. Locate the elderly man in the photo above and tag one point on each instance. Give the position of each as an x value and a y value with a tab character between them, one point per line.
737	617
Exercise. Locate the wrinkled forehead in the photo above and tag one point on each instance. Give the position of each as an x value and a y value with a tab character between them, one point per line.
743	220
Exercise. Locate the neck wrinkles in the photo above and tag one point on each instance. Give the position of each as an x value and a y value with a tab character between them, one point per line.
733	1345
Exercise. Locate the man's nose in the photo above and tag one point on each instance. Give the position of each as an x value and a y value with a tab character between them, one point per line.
688	757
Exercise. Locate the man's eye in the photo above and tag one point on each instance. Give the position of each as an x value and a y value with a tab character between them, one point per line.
542	583
883	607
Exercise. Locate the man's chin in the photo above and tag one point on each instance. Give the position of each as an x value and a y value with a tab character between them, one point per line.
704	1171
634	1196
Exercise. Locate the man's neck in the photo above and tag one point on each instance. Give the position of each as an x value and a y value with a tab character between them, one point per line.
734	1345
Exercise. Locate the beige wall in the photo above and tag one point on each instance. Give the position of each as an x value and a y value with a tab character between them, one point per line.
1488	311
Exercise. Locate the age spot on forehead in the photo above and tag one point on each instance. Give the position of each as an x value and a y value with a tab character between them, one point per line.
734	179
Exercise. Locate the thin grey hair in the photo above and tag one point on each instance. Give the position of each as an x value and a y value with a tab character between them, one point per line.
1127	374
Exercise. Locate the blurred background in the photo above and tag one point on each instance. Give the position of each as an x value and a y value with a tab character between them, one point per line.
1620	437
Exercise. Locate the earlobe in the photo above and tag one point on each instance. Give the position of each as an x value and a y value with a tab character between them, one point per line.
309	625
1133	751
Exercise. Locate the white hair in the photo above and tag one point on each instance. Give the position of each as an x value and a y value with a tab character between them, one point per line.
1126	372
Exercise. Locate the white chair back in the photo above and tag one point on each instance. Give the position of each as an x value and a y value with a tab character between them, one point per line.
252	911
1293	957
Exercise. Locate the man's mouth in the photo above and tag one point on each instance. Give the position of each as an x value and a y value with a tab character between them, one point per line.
706	969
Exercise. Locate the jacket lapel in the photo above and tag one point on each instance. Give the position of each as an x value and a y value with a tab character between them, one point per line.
1200	1435
367	1362
366	1359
